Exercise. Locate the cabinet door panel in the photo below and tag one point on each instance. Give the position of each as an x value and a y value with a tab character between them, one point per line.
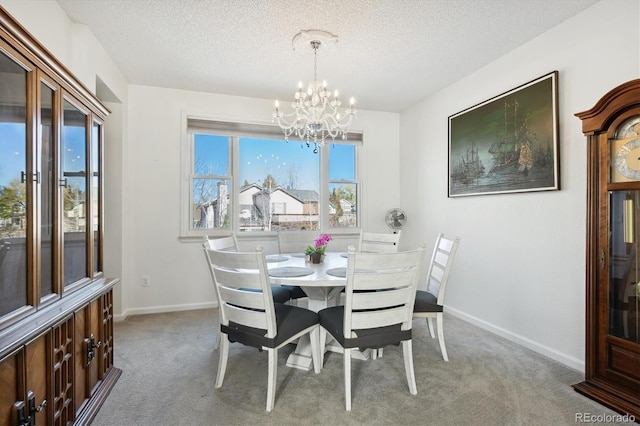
63	370
48	187
38	370
87	333
14	176
74	178
11	383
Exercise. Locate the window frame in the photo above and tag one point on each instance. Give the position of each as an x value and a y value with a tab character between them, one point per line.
235	129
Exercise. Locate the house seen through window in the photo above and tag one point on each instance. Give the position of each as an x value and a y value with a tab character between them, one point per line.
256	182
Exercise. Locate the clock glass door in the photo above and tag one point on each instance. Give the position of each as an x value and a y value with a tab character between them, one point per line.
624	269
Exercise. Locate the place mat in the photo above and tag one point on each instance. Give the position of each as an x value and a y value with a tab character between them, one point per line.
276	258
298	255
337	272
290	271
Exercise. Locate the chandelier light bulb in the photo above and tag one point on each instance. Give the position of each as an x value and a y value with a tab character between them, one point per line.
277	104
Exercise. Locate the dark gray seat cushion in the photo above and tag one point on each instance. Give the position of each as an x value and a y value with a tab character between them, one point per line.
296	292
290	320
332	319
426	302
281	294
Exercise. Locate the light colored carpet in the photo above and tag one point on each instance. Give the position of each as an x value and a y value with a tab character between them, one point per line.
169	368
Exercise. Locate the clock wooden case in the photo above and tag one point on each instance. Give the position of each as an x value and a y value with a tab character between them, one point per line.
612	358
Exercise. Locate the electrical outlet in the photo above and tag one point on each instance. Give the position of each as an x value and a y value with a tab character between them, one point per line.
145	281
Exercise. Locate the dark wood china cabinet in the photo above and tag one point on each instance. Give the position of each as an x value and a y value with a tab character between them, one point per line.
56	305
612	127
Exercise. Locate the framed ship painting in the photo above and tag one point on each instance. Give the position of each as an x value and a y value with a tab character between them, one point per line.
508	143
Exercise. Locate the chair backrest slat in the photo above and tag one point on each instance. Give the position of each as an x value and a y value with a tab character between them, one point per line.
380	279
374	319
239	279
371	242
246	317
296	241
440	266
229	243
377	299
381	289
247	298
242	285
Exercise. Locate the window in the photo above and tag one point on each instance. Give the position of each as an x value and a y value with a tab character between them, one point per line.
247	178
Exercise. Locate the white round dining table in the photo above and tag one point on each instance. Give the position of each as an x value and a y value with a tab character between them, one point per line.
322	283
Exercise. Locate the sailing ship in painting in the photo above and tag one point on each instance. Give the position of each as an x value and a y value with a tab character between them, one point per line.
468	167
513	147
513	154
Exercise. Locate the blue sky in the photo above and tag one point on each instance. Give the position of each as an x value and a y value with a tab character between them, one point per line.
13	155
261	157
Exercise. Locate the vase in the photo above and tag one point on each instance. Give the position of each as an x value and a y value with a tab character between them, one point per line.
316	257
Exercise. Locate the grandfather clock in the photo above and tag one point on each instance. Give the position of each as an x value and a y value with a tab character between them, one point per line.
612	127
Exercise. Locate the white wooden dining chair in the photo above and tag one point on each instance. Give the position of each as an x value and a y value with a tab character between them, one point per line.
230	243
429	303
250	317
380	293
372	242
296	242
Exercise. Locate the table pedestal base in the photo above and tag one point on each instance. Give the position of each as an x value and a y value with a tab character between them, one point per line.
319	298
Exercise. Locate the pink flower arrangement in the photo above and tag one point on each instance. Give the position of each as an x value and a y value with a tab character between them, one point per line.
320	244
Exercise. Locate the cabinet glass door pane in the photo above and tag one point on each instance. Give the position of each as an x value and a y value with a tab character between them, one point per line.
624	282
95	195
46	190
13	196
74	172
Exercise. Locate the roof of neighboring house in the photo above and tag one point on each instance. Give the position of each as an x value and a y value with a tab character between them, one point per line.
304	195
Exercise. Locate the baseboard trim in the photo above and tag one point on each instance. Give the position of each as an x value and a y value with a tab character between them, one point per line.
163	309
569	361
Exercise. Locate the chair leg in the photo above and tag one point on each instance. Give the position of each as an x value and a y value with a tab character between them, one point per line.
322	339
216	345
347	378
271	381
430	324
443	349
407	351
314	336
222	362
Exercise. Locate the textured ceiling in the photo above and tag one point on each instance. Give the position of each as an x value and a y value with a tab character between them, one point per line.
390	53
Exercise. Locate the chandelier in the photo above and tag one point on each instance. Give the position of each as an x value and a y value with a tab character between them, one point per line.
316	112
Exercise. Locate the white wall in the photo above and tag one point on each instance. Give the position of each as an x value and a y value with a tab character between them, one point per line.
520	268
179	278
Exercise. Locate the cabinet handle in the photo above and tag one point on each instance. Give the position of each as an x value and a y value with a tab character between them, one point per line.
32	407
92	345
20	414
